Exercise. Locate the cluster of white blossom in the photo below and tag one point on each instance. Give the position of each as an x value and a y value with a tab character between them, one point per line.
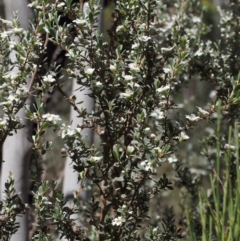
149	165
95	159
8	33
192	118
118	221
128	77
67	131
163	89
127	94
134	68
80	22
89	71
55	119
158	114
48	79
172	159
183	136
14	92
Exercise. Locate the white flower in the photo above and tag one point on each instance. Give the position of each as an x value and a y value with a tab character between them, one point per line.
166	70
133	67
18	30
118	221
199	53
12	44
99	84
133	85
183	136
113	68
22	90
30	5
147	130
163	89
95	159
154	231
9	23
127	94
144	38
120	28
128	77
55	119
231	147
130	150
60	5
172	159
149	165
159	151
5	34
12	98
124	207
202	112
10	76
80	22
66	131
152	136
193	118
49	79
196	19
135	46
158	114
89	71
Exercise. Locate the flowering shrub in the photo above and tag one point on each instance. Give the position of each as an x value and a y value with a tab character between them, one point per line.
153	49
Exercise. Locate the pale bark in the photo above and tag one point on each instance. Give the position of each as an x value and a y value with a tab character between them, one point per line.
17	149
70	183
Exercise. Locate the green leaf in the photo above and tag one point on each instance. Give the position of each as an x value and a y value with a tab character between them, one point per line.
116	151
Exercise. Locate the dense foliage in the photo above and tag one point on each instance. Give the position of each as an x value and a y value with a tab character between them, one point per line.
152	52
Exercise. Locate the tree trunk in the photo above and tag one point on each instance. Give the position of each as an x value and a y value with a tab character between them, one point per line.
70	182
